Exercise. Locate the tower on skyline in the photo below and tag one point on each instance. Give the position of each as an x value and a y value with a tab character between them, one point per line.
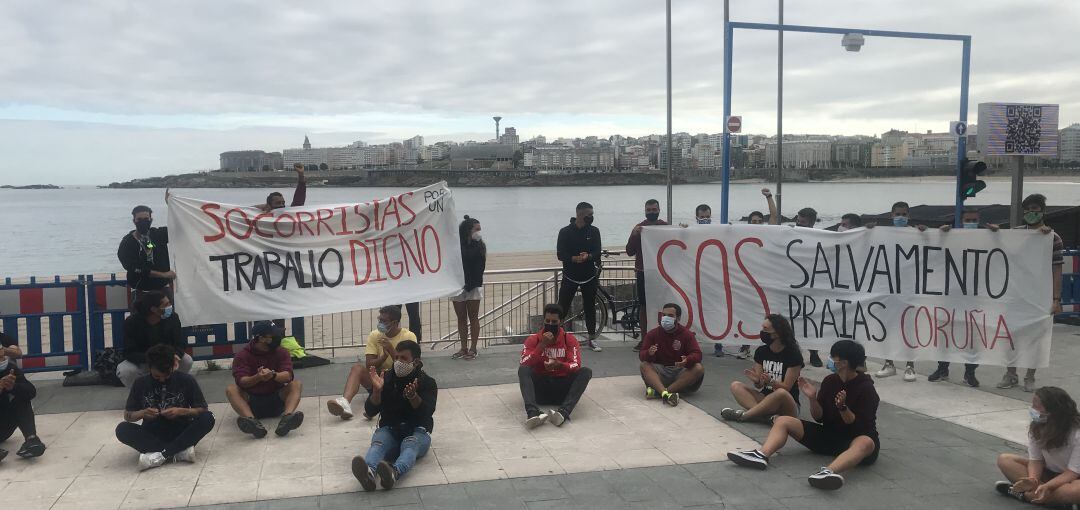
307	144
497	119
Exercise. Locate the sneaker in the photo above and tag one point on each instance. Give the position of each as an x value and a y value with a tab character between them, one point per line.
469	356
340	407
637	346
185	455
749	458
251	426
826	480
888	370
939	375
387	475
535	421
1029	384
556	417
718	350
671	399
3	453
815	360
151	460
460	354
744	352
970	380
595	346
650	394
909	374
1006	489
363	473
31	448
730	414
289	422
1008	381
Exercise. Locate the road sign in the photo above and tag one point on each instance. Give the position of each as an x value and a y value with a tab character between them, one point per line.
958	128
734	124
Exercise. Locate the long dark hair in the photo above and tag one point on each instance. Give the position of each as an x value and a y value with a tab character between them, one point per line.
783	330
465	232
147	301
1062	418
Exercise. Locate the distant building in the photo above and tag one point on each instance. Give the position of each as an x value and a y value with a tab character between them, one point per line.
556	159
1069	145
808	153
852	152
510	136
251	161
487	156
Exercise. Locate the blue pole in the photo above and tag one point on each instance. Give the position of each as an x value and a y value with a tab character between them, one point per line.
726	176
961	143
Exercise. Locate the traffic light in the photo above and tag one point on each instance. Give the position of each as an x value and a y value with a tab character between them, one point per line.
970	184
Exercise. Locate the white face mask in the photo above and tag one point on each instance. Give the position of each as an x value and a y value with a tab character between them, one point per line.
402	369
667	322
842	228
4	364
1036	416
476	236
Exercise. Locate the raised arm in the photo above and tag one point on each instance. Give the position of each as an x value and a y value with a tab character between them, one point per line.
774	214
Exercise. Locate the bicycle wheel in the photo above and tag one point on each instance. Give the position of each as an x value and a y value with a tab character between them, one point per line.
575	319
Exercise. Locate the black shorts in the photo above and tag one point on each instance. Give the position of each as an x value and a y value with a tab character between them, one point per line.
639	277
819	439
266	406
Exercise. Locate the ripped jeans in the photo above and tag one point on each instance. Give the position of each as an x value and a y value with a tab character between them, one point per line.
384	445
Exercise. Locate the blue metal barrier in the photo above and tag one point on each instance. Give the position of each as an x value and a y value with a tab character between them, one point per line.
39	304
1070	284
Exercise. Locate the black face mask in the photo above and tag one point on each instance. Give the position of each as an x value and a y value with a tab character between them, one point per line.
587	220
143	226
766	337
652	216
551	328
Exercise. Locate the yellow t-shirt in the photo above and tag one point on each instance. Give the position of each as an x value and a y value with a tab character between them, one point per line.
374	347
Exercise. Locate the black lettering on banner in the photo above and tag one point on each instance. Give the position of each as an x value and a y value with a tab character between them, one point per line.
806	276
913	253
1005	281
926	270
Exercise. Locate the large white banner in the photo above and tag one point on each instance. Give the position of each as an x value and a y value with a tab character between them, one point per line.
970	296
238	263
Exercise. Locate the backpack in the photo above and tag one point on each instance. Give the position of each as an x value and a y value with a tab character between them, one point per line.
105	363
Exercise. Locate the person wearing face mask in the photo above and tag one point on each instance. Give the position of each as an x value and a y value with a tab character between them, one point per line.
849	221
844	409
777	366
550	372
670	358
702	216
378	354
16	410
467	303
1050	472
404	398
900	219
263	383
1034	211
578	248
144	253
633	248
153	322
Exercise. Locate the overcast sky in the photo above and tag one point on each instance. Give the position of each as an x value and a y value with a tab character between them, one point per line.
100	91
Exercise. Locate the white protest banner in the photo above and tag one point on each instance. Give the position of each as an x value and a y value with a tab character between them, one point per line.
238	263
970	296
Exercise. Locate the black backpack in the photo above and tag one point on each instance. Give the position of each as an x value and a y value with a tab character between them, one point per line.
105	363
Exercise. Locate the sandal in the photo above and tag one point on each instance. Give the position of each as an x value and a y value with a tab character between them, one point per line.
460	354
471	355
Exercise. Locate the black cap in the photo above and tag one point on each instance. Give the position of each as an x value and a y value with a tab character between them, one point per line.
263	328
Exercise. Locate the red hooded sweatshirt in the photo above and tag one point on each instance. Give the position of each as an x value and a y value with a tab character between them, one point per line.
246	363
565	349
671	347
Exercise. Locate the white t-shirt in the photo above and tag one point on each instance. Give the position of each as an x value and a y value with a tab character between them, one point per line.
1058	459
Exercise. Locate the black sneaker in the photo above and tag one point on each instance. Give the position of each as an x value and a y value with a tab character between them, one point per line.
637	347
289	422
939	375
815	360
825	479
363	473
251	426
729	414
1005	489
749	458
387	475
970	380
671	399
3	453
31	448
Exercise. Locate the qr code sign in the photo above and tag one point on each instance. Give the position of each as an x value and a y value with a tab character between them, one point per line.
1023	129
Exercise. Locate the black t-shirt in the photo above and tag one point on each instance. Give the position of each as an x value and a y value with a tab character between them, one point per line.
179	390
139	257
776	364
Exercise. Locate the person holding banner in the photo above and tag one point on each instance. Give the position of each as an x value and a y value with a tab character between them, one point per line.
670	358
1050	472
806	218
264	384
900	217
633	248
551	372
777	367
845	413
467	303
849	221
378	354
144	253
152	323
276	200
578	247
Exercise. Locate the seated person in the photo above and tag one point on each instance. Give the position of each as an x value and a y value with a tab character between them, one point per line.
152	323
404	398
16	411
777	366
378	354
846	407
670	358
551	372
1050	472
264	387
172	410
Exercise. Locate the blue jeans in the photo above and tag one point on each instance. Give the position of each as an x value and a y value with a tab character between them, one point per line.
385	445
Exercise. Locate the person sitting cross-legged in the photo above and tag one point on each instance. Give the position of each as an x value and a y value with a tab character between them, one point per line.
265	386
777	367
378	354
670	358
404	398
1050	472
171	407
845	414
550	372
16	409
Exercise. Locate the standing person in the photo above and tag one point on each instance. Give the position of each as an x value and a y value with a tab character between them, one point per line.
153	323
404	398
702	216
1050	472
276	200
172	409
144	253
844	426
849	221
16	409
550	372
806	218
1034	213
633	248
777	367
578	248
467	303
378	354
264	384
670	358
900	218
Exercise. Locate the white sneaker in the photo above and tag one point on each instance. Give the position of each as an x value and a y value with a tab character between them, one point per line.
909	375
151	460
556	417
186	455
888	370
595	346
340	407
535	421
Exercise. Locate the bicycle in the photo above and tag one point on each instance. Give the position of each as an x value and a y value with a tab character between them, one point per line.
609	309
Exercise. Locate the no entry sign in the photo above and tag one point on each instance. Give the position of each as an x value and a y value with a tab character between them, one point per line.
734	124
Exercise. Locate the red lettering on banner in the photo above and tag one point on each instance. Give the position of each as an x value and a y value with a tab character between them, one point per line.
903	328
246	221
303	223
344	225
405	205
727	288
292	221
375	205
378	268
689	312
353	244
255	222
322	221
1002	332
386	258
753	283
221	228
367	220
391	210
438	248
